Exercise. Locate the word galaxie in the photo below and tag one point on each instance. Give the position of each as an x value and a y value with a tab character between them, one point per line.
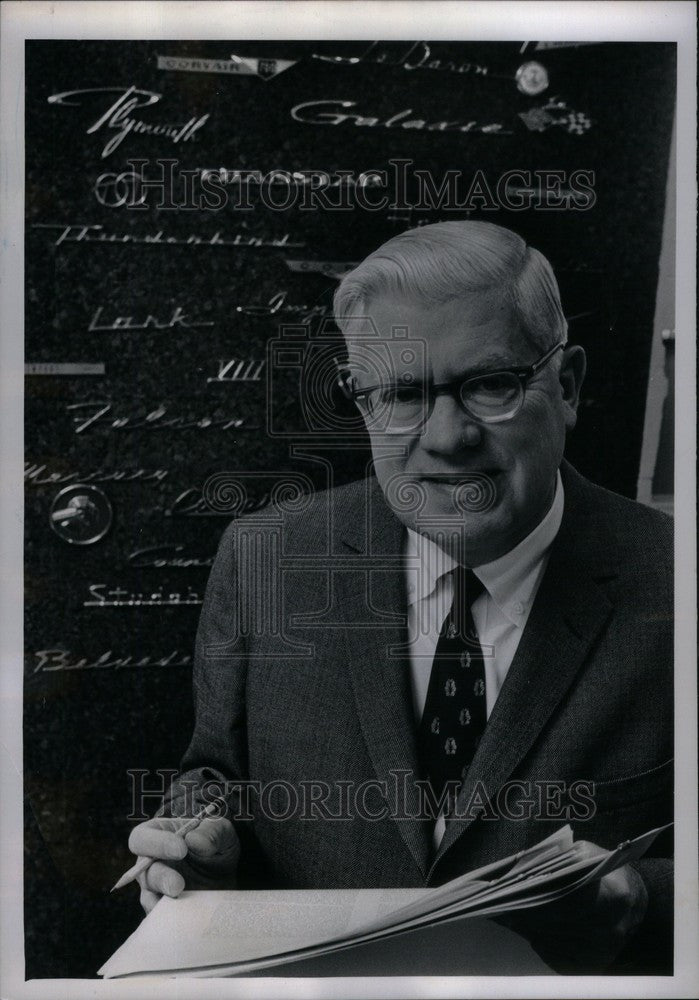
328	112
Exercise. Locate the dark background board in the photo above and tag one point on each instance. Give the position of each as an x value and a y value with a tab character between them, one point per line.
108	687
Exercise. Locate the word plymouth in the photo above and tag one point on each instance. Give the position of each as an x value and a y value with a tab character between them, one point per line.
119	118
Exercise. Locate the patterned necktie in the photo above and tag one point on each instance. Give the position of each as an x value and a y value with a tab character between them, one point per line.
454	716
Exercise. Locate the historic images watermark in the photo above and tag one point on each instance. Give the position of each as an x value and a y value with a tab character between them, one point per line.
165	185
402	797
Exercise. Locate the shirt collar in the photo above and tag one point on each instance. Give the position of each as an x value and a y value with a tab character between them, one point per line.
426	563
511	580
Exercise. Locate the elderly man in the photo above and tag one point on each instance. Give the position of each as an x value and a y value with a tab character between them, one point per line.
434	667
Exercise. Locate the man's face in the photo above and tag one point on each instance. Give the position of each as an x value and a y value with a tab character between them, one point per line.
511	466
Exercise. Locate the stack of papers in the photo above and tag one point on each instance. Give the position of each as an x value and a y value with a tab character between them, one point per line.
225	933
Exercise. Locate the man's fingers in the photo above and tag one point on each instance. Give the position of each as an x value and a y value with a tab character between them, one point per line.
624	896
148	840
588	928
213	849
212	836
148	899
161	879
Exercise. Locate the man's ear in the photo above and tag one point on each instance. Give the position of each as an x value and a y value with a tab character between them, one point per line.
570	377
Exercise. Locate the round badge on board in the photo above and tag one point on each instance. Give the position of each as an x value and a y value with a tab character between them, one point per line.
81	515
532	78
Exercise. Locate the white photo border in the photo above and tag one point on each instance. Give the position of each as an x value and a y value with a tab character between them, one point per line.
620	21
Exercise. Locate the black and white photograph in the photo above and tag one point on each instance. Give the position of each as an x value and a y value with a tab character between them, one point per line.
348	499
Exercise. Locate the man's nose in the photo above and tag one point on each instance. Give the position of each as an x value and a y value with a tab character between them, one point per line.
449	430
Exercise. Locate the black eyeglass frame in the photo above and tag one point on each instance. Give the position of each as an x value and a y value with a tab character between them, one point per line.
524	373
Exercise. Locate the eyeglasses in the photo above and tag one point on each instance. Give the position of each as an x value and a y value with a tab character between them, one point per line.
403	406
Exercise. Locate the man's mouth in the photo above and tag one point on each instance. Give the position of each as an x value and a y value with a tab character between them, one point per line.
458	478
467	492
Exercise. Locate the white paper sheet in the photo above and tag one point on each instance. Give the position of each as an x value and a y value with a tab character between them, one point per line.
226	932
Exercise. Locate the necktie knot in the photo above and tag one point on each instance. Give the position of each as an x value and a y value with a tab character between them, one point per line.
467	586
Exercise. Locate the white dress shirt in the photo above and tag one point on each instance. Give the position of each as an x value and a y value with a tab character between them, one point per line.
499	613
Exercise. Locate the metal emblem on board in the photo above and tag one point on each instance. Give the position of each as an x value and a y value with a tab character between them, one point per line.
264	68
531	78
235	66
81	515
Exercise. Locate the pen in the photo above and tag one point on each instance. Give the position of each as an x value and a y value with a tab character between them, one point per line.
135	870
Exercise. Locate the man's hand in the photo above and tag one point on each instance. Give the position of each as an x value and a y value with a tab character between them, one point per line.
586	930
203	858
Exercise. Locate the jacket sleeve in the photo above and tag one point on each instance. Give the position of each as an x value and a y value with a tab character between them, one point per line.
216	759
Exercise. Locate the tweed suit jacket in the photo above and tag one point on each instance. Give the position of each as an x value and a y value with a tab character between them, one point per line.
302	684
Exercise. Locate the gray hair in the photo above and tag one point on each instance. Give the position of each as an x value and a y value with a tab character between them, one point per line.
449	260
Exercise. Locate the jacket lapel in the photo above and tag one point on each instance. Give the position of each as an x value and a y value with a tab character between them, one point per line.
570	609
374	593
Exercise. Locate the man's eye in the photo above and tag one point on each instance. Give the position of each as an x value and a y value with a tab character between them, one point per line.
491	384
397	394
